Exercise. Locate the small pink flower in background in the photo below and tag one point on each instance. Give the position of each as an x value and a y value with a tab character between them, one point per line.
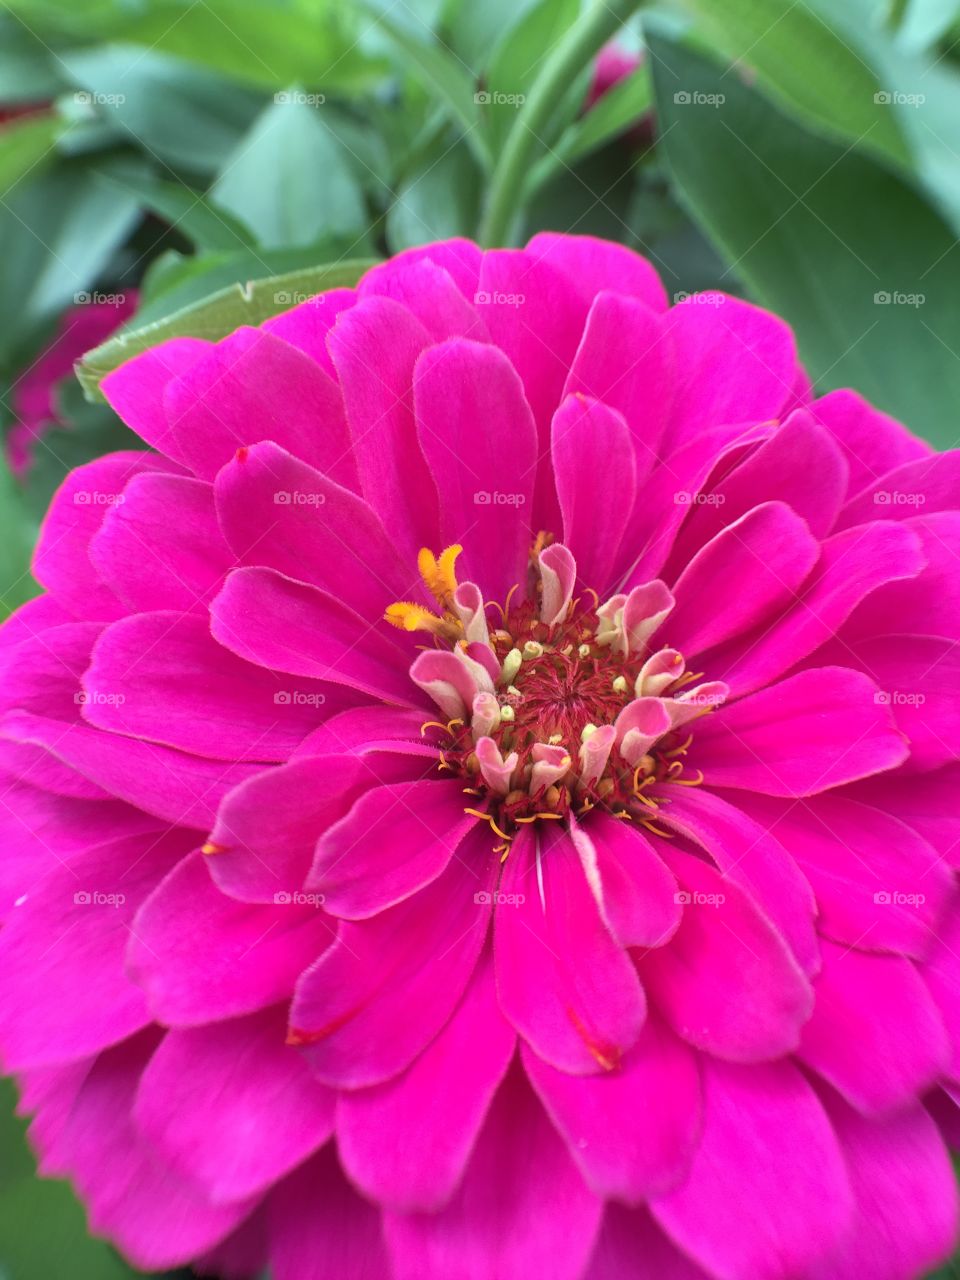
613	64
80	329
481	796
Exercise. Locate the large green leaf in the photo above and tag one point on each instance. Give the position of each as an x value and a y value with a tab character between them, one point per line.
290	180
802	62
838	245
218	315
58	233
197	218
440	201
25	146
261	42
180	114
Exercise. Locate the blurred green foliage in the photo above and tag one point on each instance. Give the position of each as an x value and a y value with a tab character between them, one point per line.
217	157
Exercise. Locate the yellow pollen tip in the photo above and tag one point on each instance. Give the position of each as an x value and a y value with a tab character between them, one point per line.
414	617
439	574
212	847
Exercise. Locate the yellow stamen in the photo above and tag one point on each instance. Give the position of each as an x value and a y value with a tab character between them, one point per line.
414	617
440	575
212	847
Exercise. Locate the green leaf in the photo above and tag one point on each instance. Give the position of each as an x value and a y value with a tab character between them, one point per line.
26	145
58	233
178	113
174	281
620	107
290	180
444	76
218	315
268	43
803	64
441	201
16	538
517	58
822	235
188	211
475	28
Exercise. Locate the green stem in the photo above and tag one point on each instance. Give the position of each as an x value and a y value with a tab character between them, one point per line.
582	41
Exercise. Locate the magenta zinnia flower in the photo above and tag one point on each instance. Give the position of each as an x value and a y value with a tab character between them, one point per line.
481	796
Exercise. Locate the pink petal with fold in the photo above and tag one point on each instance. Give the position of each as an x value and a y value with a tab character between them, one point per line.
250	386
745	574
878	884
387	986
161	548
61	560
287	626
277	511
595	472
375	347
726	982
478	436
746	851
632	1131
252	954
814	730
320	1228
905	1197
766	1142
394	841
406	1143
135	390
635	890
211	1094
565	983
503	1220
592	264
63	990
875	1034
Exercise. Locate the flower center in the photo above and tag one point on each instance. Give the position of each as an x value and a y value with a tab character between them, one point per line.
566	704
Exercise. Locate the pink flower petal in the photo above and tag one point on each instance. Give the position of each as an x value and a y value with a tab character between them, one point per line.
503	1220
878	885
872	442
161	548
394	841
564	982
726	982
479	438
875	1034
63	990
135	390
768	1143
745	574
635	890
745	851
277	511
211	1094
61	562
595	471
287	626
252	954
387	986
591	265
905	1197
632	1131
375	347
253	380
406	1143
812	731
